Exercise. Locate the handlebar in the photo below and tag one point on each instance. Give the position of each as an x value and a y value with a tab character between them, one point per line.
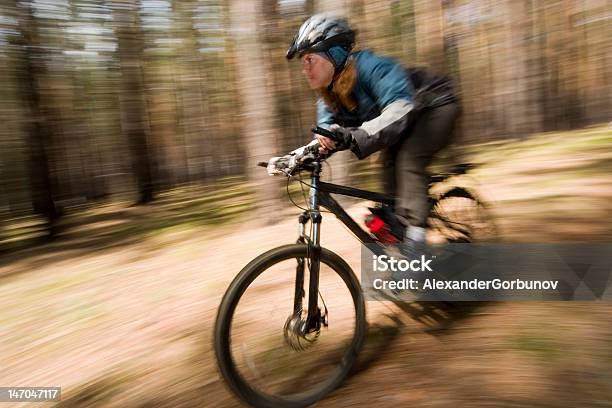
325	132
312	150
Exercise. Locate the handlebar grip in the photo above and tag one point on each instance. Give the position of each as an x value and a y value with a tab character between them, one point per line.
262	164
324	132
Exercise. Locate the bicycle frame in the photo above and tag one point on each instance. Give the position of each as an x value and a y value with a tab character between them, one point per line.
319	196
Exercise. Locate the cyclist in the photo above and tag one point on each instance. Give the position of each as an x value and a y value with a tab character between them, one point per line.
371	104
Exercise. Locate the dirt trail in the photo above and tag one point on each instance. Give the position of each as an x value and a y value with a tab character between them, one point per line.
131	326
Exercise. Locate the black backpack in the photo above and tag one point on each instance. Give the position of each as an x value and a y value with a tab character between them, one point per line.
431	91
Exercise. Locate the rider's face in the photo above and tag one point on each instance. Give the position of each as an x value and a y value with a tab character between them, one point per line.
318	70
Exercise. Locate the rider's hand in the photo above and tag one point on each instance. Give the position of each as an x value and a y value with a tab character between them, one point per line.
343	136
278	165
326	143
271	169
285	164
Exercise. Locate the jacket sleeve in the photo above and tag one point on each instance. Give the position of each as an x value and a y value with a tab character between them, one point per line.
324	116
387	83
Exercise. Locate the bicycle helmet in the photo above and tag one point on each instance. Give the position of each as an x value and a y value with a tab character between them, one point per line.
320	33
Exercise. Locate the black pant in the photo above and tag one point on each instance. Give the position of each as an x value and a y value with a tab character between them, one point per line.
405	164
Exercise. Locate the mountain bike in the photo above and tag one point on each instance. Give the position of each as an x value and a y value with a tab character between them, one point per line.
276	345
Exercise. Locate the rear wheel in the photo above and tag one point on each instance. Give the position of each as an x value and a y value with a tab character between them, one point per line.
261	348
459	216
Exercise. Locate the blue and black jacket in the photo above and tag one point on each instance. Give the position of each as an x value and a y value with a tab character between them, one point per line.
385	102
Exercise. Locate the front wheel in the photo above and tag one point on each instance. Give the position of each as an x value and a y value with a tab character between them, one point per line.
262	349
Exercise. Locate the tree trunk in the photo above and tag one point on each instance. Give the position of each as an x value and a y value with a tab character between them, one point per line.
195	106
259	131
429	35
133	109
39	135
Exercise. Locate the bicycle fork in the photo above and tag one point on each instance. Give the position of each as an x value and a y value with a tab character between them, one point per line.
313	259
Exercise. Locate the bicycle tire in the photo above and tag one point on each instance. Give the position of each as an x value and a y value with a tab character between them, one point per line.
487	232
221	339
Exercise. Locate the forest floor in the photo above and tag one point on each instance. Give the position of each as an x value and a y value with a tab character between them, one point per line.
119	310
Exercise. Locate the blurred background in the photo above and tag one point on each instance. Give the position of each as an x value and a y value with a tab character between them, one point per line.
125	100
129	196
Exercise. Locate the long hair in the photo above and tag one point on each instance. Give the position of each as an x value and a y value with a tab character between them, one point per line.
341	94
